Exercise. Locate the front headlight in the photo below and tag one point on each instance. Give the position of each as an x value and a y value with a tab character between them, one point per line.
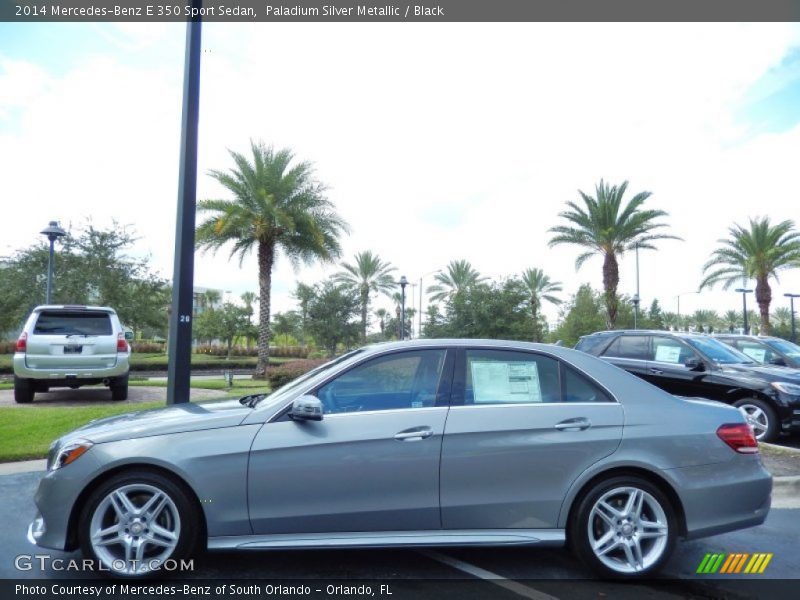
791	389
70	453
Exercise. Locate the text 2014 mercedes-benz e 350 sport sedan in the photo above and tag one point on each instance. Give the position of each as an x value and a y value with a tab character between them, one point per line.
427	443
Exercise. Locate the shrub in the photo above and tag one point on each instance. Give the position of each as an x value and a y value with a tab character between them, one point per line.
8	347
147	347
283	374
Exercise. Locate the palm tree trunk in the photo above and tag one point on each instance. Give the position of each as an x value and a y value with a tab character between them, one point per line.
364	307
610	282
266	257
763	298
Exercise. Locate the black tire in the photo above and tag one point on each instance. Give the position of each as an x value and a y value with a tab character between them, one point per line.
581	543
770	422
189	520
23	390
119	388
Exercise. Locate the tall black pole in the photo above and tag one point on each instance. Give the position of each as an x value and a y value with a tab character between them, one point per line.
744	312
50	272
794	331
180	322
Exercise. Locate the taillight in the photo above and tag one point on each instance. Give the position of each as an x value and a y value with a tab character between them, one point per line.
738	436
22	342
122	345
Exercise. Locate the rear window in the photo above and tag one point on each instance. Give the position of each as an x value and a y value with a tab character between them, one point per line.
72	323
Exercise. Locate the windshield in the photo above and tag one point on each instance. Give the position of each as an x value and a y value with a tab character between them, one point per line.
719	352
277	394
787	348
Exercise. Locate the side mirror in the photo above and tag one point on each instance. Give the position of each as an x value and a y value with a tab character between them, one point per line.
306	408
694	364
778	361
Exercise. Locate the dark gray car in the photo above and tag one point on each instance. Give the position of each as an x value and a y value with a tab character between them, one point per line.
426	443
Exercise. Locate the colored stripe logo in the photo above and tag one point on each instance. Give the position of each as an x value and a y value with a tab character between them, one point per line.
734	562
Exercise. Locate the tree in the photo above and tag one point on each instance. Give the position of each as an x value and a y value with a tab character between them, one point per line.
277	206
655	317
287	325
671	321
251	333
382	314
758	252
705	320
92	266
331	314
732	319
303	294
459	276
540	287
782	321
603	226
368	274
582	315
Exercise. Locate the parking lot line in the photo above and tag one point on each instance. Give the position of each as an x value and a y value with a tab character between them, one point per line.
470	569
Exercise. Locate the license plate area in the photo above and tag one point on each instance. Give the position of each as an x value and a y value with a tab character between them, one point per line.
73	349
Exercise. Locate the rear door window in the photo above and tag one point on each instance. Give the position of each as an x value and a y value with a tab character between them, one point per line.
630	346
72	323
509	377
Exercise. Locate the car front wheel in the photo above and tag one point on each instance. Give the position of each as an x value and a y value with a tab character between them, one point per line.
134	522
761	418
624	527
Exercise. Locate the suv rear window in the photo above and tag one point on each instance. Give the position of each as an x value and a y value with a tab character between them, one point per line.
72	323
592	344
630	346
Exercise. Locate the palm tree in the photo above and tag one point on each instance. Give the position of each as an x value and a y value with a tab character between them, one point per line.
459	276
603	226
758	252
782	317
277	206
369	274
540	287
382	313
249	298
671	321
732	319
705	320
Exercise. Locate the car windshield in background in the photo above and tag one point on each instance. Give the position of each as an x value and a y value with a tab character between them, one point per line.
719	352
787	348
72	323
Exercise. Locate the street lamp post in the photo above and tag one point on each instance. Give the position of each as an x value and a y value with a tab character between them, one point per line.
744	292
53	232
791	298
403	283
635	301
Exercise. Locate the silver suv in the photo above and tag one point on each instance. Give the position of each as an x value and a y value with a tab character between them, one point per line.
71	346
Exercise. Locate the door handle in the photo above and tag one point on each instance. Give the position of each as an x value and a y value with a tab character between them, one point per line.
578	424
415	434
656	371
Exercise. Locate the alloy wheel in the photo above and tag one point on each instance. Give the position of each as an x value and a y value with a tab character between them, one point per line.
756	418
628	530
134	529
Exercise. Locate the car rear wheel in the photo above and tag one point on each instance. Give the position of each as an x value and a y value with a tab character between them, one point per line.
624	527
761	417
134	522
119	388
23	390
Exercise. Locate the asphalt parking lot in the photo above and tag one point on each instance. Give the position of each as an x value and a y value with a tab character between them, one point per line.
534	573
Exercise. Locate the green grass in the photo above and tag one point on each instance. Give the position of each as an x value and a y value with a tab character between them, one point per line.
26	433
208	384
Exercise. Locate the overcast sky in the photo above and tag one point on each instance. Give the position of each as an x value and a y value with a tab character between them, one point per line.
438	141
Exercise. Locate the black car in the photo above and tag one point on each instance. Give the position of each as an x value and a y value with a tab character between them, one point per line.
765	349
688	364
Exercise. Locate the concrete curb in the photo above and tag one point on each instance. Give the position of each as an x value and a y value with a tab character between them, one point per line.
786	449
786	486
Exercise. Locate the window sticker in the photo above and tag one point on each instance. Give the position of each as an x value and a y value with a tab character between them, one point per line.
500	382
668	354
757	354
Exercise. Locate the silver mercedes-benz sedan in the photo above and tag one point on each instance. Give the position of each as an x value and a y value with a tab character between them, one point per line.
425	443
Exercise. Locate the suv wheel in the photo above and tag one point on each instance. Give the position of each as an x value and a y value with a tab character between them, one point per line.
135	521
119	388
624	527
761	417
23	390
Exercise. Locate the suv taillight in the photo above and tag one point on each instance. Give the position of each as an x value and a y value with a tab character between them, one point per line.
22	342
122	345
738	436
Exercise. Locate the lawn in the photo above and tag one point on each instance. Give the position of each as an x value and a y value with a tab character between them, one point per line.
26	432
